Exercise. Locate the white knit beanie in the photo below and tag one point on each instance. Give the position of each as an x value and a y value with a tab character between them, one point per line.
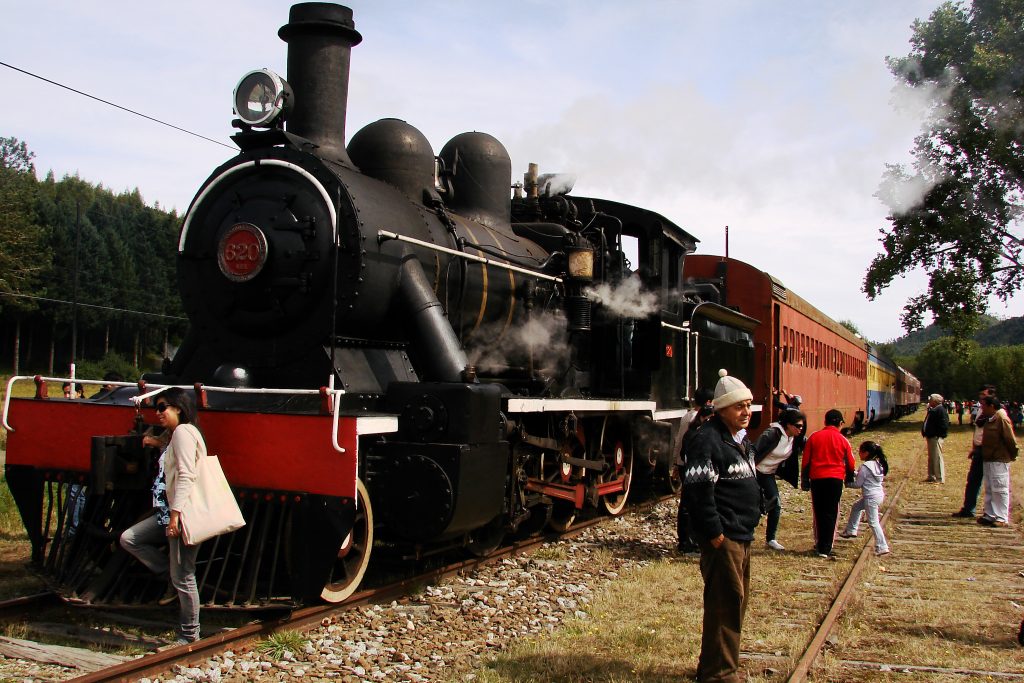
729	391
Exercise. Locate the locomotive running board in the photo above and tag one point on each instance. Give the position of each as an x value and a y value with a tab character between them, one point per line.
552	405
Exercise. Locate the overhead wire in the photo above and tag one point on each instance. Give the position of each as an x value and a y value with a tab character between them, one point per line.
130	111
104	308
115	105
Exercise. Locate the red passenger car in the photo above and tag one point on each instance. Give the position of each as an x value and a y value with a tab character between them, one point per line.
798	348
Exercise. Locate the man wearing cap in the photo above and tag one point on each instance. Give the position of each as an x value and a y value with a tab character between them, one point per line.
976	471
723	497
934	430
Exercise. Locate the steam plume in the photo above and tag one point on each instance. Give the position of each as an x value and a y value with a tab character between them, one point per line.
625	298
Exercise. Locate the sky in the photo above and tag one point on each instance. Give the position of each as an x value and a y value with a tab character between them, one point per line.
775	119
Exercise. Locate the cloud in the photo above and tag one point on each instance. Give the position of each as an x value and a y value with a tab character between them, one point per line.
776	120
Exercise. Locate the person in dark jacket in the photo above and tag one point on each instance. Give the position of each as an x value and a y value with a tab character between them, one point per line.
976	471
686	543
935	429
775	456
723	499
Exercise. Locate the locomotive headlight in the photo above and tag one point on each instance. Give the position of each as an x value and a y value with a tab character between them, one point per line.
581	263
262	98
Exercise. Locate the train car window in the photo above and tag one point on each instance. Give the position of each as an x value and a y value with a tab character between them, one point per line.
672	282
653	261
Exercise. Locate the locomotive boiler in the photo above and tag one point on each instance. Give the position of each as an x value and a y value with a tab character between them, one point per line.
395	353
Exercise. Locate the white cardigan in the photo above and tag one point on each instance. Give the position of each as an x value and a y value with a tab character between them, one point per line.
180	462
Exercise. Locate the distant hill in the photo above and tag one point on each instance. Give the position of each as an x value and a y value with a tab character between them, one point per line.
993	332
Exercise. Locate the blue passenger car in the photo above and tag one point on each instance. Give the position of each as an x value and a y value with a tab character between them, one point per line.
881	386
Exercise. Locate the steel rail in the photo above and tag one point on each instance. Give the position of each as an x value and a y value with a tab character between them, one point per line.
194	653
803	666
16	607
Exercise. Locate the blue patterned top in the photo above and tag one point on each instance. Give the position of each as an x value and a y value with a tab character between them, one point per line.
163	508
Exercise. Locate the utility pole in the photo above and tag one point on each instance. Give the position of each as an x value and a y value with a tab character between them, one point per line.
74	287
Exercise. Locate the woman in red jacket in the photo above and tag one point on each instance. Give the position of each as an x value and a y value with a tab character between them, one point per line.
828	462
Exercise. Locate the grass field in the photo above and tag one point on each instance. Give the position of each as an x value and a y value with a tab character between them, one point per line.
15	551
648	627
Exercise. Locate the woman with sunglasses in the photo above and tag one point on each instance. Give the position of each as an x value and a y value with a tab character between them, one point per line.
774	455
176	474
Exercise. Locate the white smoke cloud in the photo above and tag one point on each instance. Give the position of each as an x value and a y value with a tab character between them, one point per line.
541	341
901	192
550	184
626	298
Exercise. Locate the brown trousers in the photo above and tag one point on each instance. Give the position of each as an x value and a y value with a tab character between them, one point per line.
726	572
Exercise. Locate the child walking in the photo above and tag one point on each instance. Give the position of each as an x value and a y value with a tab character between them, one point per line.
869	479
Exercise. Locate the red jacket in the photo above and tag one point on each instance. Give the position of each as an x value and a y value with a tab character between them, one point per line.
828	455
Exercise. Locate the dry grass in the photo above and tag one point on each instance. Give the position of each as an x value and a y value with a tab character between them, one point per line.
911	610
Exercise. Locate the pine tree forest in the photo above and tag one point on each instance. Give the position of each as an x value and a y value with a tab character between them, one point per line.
66	242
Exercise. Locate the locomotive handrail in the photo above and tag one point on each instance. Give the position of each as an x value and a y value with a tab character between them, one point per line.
158	388
73	380
461	254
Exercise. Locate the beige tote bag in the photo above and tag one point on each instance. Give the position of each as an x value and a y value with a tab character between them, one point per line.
211	509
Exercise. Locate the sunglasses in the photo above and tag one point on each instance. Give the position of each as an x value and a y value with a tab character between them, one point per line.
161	407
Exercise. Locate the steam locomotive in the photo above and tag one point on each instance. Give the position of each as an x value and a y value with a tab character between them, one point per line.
395	353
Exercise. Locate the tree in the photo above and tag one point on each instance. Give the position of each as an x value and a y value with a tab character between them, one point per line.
851	326
962	225
22	253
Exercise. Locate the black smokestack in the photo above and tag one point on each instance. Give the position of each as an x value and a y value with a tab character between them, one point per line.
320	38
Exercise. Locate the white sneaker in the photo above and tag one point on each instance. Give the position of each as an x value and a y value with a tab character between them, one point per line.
775	545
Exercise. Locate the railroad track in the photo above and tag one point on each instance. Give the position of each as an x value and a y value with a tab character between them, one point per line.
922	537
245	636
932	556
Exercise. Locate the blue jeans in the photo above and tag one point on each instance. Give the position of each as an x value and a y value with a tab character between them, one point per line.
772	503
869	506
144	542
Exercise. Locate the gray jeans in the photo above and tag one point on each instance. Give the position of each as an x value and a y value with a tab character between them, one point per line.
144	541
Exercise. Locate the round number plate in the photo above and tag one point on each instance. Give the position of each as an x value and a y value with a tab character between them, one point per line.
242	252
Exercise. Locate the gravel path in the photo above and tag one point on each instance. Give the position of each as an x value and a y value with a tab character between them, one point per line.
445	632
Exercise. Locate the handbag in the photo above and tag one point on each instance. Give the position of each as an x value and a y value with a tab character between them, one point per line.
211	509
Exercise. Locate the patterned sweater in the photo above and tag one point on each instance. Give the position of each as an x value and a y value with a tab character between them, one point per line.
721	491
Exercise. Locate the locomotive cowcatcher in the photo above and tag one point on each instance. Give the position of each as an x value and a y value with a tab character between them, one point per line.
394	355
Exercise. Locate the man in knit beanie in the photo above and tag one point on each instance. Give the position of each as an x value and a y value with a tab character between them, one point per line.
723	497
